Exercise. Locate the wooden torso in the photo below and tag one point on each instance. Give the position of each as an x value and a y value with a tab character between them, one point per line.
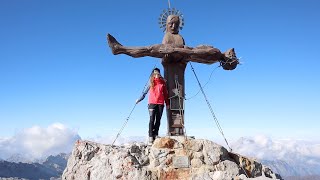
176	40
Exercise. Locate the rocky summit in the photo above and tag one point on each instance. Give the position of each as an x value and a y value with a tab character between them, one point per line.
169	158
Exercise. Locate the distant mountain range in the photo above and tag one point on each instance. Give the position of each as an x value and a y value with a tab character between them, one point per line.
311	177
49	169
292	159
19	158
295	169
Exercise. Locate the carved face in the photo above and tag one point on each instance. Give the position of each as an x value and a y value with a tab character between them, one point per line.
173	23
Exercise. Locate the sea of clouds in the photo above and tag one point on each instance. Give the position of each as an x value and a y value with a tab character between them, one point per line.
285	156
38	142
263	147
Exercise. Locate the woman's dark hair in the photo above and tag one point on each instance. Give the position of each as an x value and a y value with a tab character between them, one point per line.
152	75
156	69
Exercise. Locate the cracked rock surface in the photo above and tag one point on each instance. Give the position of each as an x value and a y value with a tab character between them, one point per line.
173	157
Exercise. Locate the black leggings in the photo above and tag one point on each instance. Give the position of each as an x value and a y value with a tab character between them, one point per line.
155	112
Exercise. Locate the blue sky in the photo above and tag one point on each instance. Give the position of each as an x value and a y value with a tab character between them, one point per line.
55	66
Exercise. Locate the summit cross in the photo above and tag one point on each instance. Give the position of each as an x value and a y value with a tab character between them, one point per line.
174	56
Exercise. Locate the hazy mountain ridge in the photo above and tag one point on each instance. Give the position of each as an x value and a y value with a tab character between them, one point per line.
294	159
311	177
288	169
19	158
51	168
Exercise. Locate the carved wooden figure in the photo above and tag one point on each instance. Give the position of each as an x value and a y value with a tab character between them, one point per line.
174	56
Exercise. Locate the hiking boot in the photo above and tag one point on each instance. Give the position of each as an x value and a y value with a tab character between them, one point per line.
150	141
113	44
230	60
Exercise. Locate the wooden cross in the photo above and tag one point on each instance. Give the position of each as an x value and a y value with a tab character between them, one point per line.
174	56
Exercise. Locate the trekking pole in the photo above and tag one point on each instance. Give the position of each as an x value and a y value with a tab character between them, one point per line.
127	119
125	123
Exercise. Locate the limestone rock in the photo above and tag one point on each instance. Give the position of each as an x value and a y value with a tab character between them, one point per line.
168	158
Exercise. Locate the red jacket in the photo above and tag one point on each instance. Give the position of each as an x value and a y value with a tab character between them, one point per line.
158	93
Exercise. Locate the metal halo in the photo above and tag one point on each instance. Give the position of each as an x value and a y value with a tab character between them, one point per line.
167	12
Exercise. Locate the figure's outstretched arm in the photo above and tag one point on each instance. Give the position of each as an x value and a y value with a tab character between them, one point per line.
200	54
205	54
228	60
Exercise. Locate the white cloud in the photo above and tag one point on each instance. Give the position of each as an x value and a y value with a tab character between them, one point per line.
38	142
268	148
294	152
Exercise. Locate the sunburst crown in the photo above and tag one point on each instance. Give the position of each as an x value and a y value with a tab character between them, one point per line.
167	12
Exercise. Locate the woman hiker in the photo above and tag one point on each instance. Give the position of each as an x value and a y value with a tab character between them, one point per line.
157	97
